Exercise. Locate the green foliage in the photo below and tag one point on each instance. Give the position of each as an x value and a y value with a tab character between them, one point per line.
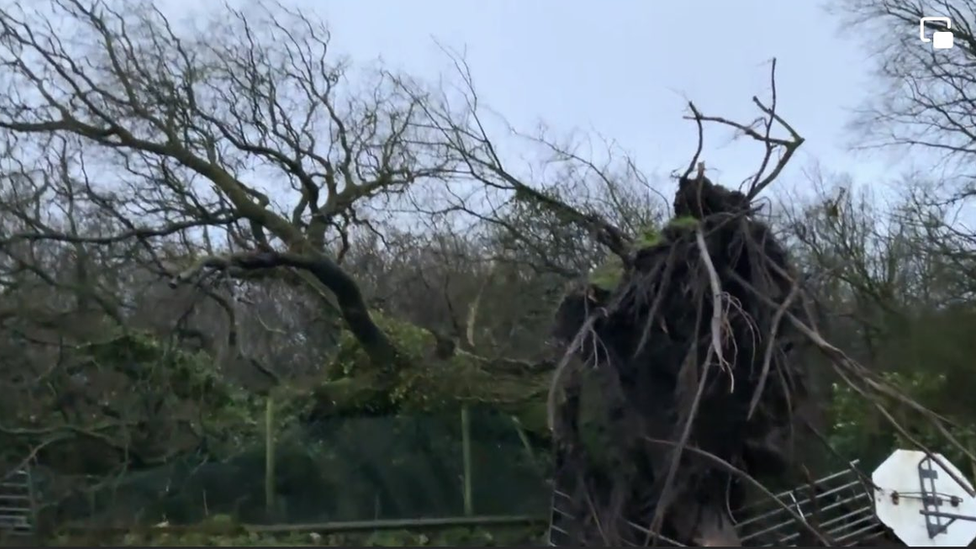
859	430
608	275
412	341
648	236
187	375
177	397
684	222
928	355
343	469
423	383
128	347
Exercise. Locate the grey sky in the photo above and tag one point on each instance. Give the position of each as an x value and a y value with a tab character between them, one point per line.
623	68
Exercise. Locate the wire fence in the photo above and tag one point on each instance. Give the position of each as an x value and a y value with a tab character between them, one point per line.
338	471
373	472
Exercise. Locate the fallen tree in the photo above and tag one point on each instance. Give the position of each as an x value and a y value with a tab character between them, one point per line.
684	376
195	125
678	350
432	376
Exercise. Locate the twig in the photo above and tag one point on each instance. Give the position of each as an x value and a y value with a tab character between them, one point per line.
768	356
697	117
33	453
561	368
595	515
787	145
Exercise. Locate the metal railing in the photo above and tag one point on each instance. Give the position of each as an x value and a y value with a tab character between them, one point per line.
17	509
840	506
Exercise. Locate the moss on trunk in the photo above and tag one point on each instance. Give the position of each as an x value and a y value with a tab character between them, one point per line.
428	380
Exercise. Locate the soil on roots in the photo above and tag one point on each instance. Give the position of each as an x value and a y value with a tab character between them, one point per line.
656	372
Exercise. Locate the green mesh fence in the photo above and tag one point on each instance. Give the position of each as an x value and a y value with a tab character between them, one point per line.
341	470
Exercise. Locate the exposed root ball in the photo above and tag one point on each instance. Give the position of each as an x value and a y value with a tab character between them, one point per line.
680	354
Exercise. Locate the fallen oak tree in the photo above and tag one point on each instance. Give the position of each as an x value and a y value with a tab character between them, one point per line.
387	366
197	129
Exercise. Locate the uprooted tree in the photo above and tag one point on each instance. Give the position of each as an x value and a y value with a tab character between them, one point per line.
686	373
249	133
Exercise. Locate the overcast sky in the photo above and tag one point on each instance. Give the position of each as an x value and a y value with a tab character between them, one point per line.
624	68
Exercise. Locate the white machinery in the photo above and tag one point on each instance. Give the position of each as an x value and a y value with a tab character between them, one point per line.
925	500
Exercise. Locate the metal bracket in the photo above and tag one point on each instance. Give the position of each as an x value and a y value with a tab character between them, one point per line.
936	520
